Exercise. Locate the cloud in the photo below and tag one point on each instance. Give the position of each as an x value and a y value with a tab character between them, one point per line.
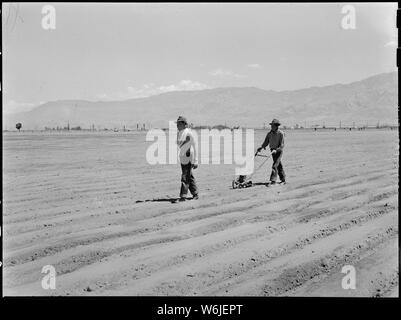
184	85
224	73
12	107
254	65
392	43
151	89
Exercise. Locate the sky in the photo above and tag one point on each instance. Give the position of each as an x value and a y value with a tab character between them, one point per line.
105	51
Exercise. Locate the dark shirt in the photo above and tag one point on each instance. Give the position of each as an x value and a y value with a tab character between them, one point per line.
275	140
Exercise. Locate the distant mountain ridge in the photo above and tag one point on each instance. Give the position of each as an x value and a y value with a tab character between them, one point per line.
370	100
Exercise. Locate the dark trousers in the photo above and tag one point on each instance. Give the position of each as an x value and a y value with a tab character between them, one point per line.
277	167
187	180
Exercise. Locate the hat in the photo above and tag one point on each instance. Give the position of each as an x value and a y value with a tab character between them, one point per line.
182	119
275	121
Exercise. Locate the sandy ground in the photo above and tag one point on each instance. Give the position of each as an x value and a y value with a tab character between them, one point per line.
73	201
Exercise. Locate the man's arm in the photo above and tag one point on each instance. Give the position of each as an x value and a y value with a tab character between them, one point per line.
195	151
195	164
266	142
281	146
187	140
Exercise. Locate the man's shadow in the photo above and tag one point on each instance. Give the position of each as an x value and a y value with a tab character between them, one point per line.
259	183
167	199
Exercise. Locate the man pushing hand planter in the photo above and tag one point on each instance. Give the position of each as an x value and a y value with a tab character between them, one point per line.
188	159
275	139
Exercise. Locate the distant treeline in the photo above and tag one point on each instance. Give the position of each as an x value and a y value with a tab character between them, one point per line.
218	127
92	128
142	127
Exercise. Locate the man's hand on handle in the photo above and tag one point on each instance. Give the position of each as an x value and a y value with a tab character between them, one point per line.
260	149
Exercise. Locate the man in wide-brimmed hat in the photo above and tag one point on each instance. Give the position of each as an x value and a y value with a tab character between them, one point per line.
275	139
187	157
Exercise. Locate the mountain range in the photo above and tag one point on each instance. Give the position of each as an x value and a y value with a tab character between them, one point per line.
367	101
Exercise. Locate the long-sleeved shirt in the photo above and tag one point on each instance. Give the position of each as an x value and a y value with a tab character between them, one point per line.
275	140
186	145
